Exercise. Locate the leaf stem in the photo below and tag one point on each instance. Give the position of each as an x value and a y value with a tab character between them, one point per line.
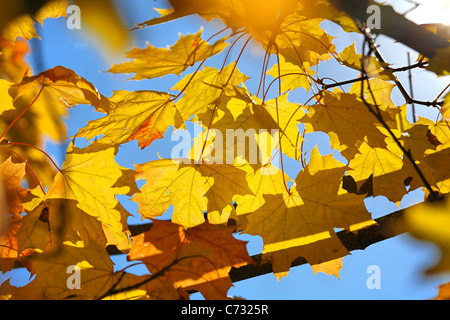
37	148
283	75
28	166
229	51
189	81
278	118
366	77
215	106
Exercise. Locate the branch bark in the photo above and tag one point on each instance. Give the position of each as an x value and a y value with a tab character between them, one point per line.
394	25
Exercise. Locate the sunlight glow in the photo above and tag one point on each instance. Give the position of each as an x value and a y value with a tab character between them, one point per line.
431	11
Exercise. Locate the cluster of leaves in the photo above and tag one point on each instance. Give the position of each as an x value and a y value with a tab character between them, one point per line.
70	215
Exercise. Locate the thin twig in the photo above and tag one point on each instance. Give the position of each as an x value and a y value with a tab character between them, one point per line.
368	39
366	77
113	291
414	119
278	118
374	49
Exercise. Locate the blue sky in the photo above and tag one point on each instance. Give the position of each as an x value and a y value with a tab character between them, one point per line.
401	260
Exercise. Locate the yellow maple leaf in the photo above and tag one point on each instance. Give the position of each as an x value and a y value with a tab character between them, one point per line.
65	86
301	222
302	41
245	128
154	62
55	221
267	179
92	177
292	76
202	89
23	25
392	171
372	66
446	107
50	93
140	115
11	176
347	121
192	189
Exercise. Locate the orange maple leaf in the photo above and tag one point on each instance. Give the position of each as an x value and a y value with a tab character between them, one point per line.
197	258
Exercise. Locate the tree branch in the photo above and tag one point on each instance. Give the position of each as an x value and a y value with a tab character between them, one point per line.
372	48
395	26
386	227
420	64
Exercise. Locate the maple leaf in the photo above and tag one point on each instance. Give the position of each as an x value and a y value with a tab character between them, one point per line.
437	161
11	176
391	170
12	192
203	88
23	25
154	62
439	130
446	107
92	178
378	95
197	258
192	189
267	179
50	93
302	41
139	115
292	76
385	166
347	121
372	67
55	221
237	115
96	275
301	222
65	86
